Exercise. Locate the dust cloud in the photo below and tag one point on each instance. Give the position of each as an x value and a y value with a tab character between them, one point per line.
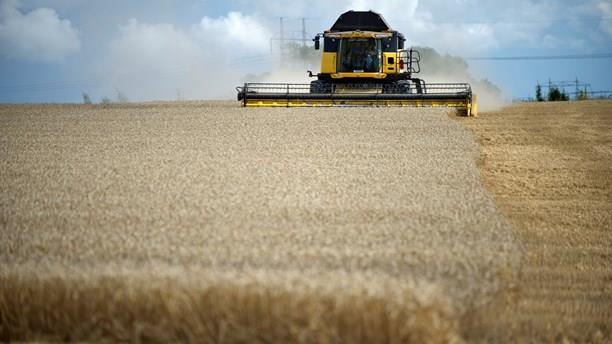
437	68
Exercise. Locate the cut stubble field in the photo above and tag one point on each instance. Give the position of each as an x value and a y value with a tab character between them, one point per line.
549	167
209	222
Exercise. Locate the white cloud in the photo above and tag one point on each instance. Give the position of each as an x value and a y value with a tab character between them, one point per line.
39	35
414	18
461	27
160	61
606	12
235	29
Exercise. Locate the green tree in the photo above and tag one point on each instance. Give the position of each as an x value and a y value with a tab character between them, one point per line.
582	95
564	96
539	93
554	94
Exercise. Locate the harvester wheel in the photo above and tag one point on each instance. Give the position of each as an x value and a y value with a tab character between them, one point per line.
318	86
398	87
403	86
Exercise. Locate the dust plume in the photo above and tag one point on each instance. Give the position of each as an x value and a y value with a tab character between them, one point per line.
437	68
166	62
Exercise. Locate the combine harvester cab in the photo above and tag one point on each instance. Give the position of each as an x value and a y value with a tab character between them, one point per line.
363	63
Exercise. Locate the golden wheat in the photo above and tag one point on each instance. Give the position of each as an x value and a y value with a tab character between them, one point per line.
211	222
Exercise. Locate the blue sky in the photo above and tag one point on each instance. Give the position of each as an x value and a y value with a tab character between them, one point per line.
52	51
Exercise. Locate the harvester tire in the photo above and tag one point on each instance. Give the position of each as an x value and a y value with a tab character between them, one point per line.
318	87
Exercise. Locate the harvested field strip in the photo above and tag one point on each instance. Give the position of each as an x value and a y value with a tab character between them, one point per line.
549	166
385	200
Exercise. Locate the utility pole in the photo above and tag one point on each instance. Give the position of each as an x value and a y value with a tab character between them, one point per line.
576	87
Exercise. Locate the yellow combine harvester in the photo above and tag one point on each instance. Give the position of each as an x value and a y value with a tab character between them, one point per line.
363	63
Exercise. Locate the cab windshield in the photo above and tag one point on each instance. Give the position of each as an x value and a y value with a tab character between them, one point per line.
358	55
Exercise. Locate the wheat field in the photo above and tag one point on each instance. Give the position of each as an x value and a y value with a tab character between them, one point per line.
208	222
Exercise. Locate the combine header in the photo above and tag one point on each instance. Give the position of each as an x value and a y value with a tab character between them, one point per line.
363	63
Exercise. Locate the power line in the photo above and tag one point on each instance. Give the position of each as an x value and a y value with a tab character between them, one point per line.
268	57
541	57
475	21
503	21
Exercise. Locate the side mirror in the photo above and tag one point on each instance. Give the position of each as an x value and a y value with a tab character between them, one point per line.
317	41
